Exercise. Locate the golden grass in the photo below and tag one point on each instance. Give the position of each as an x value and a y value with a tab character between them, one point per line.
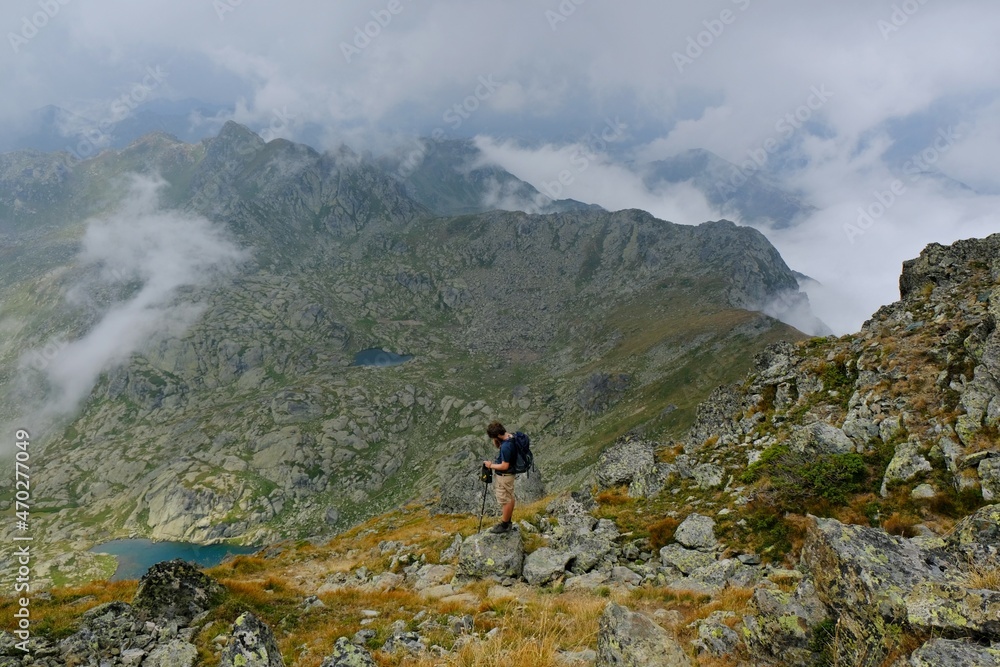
530	634
984	575
59	615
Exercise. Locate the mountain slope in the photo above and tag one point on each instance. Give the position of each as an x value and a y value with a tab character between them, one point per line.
251	423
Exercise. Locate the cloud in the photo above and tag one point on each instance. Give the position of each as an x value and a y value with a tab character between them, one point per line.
724	75
156	258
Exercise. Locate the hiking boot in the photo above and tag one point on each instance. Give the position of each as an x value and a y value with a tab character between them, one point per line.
501	527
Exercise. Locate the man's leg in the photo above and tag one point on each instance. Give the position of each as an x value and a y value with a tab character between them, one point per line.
508	511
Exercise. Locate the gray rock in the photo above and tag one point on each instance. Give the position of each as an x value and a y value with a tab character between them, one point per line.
697	532
820	438
708	475
720	574
781	627
923	492
906	464
715	637
346	654
544	565
623	575
684	560
175	653
630	639
175	590
940	652
489	555
252	645
989	478
630	462
875	581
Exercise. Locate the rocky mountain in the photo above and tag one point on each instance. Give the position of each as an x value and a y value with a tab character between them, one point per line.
742	191
833	507
250	421
449	177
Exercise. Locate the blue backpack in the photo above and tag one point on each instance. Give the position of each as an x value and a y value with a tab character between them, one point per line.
524	460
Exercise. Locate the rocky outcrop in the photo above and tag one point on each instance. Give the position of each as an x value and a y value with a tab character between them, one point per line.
175	590
346	654
878	585
252	645
489	555
632	463
630	639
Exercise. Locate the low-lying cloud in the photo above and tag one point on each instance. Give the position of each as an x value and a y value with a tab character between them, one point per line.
155	257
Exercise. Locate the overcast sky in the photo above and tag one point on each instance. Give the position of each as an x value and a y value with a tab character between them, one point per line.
835	99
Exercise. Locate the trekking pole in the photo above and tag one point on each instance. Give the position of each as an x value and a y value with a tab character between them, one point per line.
487	476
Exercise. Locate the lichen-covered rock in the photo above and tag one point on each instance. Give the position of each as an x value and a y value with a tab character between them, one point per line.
989	478
631	462
722	573
685	560
880	584
708	475
175	590
940	652
346	654
905	465
630	639
492	555
175	653
544	565
820	438
696	532
781	627
715	637
979	529
252	645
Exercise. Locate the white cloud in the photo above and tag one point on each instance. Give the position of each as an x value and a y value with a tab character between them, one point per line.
159	252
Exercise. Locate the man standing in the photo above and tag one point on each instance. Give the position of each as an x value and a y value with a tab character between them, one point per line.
503	469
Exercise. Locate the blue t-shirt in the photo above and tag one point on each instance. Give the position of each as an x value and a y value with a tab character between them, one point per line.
506	453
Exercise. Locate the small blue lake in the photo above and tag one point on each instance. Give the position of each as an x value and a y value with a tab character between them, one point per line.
137	556
376	357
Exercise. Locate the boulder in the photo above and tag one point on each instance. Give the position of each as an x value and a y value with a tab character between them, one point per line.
719	574
175	653
346	654
940	652
630	639
708	476
685	560
905	465
781	626
989	478
175	590
879	584
714	636
633	463
490	555
544	565
696	532
252	645
820	438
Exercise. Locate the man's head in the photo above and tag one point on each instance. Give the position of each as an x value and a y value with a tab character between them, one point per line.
496	430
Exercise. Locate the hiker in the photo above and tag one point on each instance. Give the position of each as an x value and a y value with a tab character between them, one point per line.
503	470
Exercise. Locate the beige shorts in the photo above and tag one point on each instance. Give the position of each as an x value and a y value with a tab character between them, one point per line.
503	485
